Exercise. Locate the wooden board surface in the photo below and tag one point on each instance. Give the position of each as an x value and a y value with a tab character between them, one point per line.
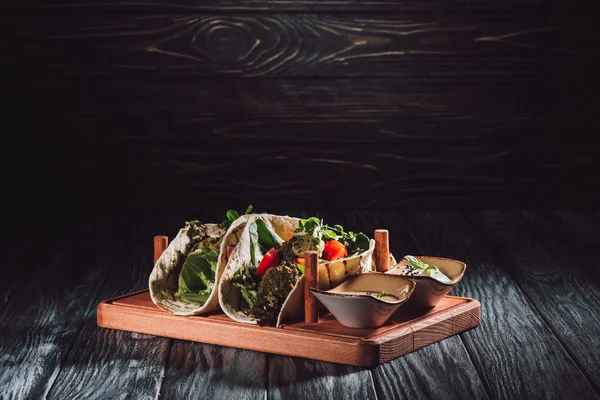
406	331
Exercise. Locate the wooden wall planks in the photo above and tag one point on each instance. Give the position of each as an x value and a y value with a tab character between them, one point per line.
491	117
302	45
265	6
434	144
449	103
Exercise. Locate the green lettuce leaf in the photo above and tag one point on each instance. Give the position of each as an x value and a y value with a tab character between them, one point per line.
197	277
262	239
247	282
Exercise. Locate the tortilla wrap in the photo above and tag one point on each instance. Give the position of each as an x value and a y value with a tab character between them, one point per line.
163	281
331	273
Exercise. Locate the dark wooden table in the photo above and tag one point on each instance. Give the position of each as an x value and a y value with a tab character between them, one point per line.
536	275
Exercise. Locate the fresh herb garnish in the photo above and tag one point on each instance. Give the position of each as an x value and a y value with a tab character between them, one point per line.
232	215
380	294
420	265
309	225
354	242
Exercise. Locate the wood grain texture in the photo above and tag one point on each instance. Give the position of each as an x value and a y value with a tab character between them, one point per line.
391	6
43	318
382	250
433	45
311	281
221	330
400	341
423	373
297	378
326	340
466	319
550	278
104	363
432	330
217	372
291	111
576	233
442	370
16	237
435	144
508	343
160	244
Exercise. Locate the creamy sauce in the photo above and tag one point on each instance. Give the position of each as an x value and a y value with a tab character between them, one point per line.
386	297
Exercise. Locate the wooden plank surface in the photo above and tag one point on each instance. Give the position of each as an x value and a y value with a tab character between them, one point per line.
504	361
43	318
97	357
550	278
430	45
196	369
104	363
442	370
291	377
575	231
16	237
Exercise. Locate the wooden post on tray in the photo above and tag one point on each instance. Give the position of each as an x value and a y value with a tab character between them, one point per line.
160	244
382	250
311	280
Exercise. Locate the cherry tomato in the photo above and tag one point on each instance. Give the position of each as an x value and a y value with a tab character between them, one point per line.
299	260
334	250
269	260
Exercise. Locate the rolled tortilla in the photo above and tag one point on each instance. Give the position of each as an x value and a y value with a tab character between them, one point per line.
163	281
331	273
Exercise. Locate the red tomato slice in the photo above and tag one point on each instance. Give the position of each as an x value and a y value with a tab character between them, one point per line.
334	250
269	260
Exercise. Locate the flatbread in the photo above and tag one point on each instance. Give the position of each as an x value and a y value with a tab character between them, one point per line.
331	273
163	281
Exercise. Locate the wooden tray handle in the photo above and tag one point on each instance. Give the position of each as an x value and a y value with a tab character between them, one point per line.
160	244
382	250
311	280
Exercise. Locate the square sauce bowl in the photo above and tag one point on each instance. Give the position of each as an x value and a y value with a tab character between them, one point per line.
366	300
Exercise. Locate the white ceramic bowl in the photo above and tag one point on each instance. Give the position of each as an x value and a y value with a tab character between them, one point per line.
430	291
354	303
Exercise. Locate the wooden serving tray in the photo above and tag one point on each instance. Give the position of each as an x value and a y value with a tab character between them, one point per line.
327	340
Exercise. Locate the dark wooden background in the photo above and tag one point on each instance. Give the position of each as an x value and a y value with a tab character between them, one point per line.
191	105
